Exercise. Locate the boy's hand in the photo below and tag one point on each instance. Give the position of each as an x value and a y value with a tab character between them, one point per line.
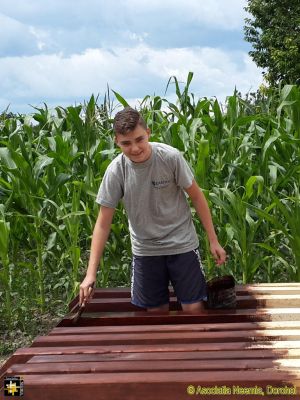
86	290
218	253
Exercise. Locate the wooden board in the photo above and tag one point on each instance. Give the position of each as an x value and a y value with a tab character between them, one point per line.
118	351
256	293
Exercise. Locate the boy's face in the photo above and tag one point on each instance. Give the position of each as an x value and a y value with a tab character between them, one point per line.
135	144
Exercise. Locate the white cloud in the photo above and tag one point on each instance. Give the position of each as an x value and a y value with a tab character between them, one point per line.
226	14
137	37
16	38
33	27
130	71
60	52
214	14
40	37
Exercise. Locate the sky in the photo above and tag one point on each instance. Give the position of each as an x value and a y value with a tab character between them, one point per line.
60	52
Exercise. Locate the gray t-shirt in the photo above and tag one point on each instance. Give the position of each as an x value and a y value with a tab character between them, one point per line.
160	220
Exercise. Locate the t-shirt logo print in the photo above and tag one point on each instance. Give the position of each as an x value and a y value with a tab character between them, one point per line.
161	183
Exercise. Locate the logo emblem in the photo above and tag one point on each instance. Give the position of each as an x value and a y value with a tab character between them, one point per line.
161	184
13	386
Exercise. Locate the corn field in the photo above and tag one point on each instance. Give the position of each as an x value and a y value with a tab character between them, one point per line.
245	157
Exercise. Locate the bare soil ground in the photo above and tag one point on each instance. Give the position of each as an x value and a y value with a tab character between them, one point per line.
11	341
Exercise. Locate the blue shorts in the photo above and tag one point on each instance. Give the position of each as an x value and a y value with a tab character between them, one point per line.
151	276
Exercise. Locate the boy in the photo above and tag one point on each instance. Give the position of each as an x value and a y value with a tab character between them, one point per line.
153	179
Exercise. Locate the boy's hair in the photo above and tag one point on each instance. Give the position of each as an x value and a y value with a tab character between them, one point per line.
127	120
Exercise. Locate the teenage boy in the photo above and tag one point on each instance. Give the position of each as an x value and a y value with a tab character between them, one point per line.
152	179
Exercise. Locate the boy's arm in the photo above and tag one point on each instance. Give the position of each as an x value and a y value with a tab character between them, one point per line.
99	238
199	202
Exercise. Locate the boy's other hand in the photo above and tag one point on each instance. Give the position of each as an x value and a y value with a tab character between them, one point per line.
218	253
86	290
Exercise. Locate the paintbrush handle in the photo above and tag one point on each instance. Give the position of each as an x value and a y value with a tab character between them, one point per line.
79	312
81	308
77	304
74	308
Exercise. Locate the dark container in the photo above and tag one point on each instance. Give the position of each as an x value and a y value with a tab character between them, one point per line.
221	292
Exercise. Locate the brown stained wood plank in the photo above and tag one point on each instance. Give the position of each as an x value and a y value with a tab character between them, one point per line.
113	304
280	297
117	304
207	377
183	347
209	312
165	337
151	365
249	301
179	317
166	347
262	288
286	310
14	359
151	385
133	392
172	355
91	330
107	293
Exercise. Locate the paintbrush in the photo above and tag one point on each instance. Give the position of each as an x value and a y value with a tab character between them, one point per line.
81	308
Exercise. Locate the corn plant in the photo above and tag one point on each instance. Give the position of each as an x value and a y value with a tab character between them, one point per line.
5	272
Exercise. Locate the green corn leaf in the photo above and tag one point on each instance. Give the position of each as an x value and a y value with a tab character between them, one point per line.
42	162
6	158
121	99
259	180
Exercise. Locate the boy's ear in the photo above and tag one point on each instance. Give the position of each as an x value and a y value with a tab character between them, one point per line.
148	130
